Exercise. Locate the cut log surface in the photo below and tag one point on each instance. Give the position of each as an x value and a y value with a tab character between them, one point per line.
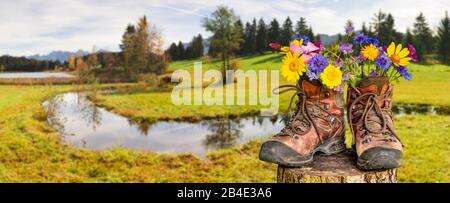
339	168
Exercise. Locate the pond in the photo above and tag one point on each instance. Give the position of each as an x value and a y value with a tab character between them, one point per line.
36	75
84	125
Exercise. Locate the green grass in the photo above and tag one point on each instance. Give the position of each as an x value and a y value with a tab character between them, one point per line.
31	151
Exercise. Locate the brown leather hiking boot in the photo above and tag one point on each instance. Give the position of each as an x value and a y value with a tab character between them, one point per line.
317	125
370	117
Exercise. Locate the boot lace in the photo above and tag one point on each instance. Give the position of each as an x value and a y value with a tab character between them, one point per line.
372	116
300	113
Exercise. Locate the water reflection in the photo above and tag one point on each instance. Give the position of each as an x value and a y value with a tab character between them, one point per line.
82	124
224	133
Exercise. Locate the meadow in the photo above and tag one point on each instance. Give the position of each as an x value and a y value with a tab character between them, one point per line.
31	151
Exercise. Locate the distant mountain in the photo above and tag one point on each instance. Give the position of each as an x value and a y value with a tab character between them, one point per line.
328	39
61	56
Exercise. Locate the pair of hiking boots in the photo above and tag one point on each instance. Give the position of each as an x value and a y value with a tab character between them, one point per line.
318	125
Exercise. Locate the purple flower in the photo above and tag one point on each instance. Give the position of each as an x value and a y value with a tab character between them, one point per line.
383	62
346	48
412	53
348	29
360	38
373	73
370	40
404	72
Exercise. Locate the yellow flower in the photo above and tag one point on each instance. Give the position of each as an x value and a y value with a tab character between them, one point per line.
293	66
398	56
331	76
297	42
370	52
284	50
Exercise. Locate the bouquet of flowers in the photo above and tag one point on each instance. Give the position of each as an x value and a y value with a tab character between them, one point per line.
349	61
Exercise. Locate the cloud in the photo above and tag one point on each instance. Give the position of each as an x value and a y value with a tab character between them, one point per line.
37	26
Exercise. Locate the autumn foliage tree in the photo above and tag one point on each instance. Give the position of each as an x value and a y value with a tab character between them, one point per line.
142	49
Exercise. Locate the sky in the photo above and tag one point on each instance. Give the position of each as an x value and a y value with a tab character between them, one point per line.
38	27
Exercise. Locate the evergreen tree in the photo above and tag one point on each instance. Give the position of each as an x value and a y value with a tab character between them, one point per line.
408	39
253	37
247	39
380	28
128	48
181	51
422	35
240	27
250	37
274	32
301	27
261	37
391	34
172	51
443	38
286	32
195	50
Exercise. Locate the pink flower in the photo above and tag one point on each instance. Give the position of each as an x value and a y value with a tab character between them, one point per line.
319	44
294	48
309	51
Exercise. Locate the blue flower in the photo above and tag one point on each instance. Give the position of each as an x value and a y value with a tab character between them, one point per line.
316	66
404	72
360	38
383	62
371	40
305	39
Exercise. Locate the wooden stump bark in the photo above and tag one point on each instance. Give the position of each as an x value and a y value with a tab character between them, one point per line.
339	168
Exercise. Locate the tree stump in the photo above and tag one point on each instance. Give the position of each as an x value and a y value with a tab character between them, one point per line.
339	168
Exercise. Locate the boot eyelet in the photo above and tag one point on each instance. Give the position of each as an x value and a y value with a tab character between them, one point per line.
326	106
327	94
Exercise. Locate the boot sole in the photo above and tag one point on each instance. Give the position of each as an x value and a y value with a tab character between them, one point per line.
378	158
279	153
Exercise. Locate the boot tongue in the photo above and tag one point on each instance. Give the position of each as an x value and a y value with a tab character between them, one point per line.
310	89
377	85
